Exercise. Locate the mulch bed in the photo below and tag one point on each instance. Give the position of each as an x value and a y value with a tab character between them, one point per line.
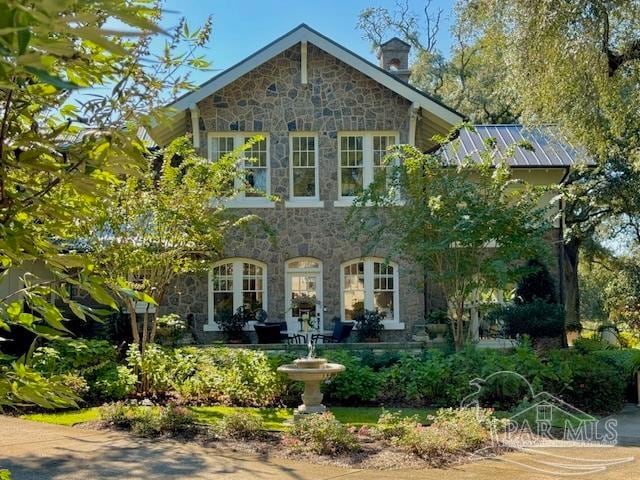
374	454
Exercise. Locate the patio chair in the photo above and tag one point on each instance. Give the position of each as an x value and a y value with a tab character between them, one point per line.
341	331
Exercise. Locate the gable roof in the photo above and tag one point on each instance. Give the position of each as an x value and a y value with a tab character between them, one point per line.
549	150
304	33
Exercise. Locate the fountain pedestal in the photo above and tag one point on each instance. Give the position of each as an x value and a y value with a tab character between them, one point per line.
312	372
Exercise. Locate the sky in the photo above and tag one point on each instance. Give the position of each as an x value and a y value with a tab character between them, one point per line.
243	26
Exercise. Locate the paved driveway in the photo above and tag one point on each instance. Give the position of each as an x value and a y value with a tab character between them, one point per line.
48	452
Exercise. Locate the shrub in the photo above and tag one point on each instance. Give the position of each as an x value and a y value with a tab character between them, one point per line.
114	382
595	386
452	432
171	328
536	319
147	422
356	385
537	284
76	383
392	425
233	324
586	345
154	368
177	420
241	425
322	434
117	415
78	355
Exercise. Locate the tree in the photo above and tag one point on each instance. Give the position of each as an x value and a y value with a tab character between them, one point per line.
163	224
468	228
472	79
61	152
536	284
576	64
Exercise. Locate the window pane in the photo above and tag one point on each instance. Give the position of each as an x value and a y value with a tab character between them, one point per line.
303	264
303	157
222	304
351	181
220	146
256	178
353	303
304	182
383	301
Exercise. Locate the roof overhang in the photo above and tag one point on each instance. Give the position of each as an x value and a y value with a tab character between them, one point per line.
302	33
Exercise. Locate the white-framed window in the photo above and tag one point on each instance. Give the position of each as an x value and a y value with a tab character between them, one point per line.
233	283
370	283
255	163
360	160
303	167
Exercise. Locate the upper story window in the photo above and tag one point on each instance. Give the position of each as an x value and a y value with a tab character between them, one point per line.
303	172
361	156
255	162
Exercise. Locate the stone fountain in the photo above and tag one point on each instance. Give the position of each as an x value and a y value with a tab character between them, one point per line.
311	371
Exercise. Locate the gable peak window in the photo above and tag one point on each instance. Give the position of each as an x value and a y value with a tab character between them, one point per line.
361	159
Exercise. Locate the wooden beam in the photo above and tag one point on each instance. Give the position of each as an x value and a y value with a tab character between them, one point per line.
303	62
195	126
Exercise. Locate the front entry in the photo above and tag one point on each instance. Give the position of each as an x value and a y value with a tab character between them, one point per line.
303	300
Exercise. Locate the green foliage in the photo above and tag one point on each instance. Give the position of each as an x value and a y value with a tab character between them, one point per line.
162	224
114	382
448	220
392	426
358	384
538	283
61	154
451	432
586	345
61	356
322	434
241	425
149	421
537	319
171	328
369	324
233	325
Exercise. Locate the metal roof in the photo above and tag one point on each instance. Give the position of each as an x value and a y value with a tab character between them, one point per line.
549	150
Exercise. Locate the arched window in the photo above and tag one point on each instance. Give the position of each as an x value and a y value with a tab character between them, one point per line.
370	283
233	283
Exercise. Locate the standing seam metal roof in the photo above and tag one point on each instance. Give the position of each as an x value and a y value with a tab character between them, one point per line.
549	150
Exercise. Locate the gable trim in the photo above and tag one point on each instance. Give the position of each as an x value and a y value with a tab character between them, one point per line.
304	33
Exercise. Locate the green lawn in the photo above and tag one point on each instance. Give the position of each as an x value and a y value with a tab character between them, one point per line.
273	418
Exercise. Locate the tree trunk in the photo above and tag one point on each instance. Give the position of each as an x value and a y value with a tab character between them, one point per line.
134	321
570	254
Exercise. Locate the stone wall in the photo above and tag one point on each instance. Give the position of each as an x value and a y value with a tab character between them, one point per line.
271	99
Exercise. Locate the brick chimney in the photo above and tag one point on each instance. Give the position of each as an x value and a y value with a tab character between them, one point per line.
394	58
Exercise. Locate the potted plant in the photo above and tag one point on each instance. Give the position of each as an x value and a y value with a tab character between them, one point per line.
233	325
369	325
171	328
437	324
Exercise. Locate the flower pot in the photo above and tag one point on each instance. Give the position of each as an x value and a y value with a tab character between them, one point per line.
372	340
235	341
437	329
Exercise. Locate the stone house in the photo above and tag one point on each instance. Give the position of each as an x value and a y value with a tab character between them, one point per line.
327	116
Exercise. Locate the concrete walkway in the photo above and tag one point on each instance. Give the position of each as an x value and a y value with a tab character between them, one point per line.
628	425
49	452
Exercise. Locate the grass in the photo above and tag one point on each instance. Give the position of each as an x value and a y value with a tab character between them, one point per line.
276	418
66	417
273	418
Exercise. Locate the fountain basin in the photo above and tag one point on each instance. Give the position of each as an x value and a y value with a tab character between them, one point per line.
310	371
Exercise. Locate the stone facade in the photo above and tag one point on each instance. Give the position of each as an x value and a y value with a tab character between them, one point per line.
271	100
